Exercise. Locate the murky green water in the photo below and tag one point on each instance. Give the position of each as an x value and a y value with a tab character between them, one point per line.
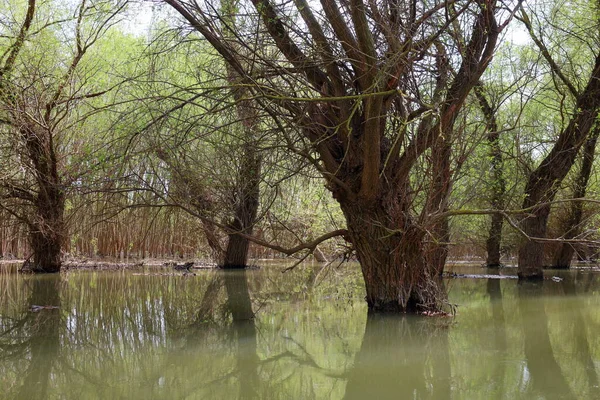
117	335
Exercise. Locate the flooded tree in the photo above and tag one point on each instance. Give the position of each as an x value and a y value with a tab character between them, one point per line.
544	181
41	85
375	90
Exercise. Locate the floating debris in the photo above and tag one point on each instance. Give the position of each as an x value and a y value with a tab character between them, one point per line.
478	276
35	308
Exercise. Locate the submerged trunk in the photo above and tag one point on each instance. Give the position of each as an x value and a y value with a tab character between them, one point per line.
47	232
531	252
564	255
360	136
389	247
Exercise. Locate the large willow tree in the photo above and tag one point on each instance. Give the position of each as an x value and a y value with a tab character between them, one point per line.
375	89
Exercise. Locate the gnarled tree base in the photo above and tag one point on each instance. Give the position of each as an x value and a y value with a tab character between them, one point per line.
397	273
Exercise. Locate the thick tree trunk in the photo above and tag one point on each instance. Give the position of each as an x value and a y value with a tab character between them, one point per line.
46	227
544	181
389	247
47	232
492	244
531	252
564	254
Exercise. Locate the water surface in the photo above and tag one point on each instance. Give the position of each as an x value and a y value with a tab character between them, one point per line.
122	335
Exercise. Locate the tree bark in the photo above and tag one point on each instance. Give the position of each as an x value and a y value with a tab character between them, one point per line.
236	254
46	227
545	180
390	249
564	254
498	182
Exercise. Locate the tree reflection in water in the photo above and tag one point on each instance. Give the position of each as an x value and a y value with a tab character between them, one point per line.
579	331
244	330
402	357
544	377
125	336
35	338
500	342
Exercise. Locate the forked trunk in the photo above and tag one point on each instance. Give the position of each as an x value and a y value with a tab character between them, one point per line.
389	247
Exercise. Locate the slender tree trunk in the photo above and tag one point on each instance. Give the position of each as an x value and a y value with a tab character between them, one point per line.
236	254
213	240
564	254
544	181
249	176
498	182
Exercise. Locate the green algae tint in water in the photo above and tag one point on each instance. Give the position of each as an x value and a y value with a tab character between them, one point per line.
127	336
